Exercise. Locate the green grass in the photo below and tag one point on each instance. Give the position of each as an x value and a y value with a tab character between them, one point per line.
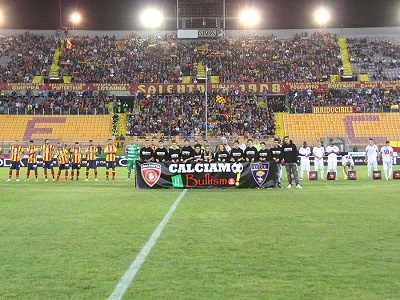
75	240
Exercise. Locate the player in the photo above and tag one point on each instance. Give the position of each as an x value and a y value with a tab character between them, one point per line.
237	154
76	159
187	152
197	157
332	151
348	164
174	152
161	154
47	152
221	155
63	161
132	151
208	155
276	155
318	152
290	157
371	156
250	153
263	153
91	157
110	150
32	152
146	153
304	153
16	152
387	159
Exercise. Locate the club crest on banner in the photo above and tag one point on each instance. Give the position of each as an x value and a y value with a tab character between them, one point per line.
151	173
260	172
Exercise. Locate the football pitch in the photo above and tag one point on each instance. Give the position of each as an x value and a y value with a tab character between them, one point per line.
76	240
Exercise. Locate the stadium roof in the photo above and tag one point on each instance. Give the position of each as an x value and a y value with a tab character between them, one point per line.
123	14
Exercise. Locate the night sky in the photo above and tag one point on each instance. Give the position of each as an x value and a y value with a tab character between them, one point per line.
123	14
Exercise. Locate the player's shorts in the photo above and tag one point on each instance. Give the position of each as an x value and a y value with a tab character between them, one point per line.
91	164
75	166
305	164
63	167
32	166
110	165
387	163
15	165
131	164
48	164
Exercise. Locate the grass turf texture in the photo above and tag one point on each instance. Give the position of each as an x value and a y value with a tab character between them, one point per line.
75	240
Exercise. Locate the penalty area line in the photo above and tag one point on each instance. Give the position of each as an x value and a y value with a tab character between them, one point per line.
129	275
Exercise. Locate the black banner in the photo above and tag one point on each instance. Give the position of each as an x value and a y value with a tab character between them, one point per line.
205	175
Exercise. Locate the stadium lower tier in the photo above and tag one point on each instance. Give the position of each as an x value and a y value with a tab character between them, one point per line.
356	127
67	129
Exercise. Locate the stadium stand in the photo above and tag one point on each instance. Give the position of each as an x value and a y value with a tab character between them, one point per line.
357	128
67	129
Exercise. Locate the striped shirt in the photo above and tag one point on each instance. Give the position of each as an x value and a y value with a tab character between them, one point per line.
62	155
91	153
47	152
16	153
132	151
110	152
32	154
76	155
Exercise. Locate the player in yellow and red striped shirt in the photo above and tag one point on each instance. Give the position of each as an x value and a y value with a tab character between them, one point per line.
47	151
110	150
16	152
63	161
76	159
91	157
32	152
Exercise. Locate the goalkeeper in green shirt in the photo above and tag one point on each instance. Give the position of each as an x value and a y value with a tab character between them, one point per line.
132	152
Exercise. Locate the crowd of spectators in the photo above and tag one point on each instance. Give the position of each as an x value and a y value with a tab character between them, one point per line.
374	57
363	100
184	115
164	59
24	56
54	102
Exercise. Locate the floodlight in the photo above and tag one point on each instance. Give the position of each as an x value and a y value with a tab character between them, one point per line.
322	16
250	17
151	18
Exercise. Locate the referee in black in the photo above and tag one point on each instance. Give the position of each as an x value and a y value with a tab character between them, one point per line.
290	156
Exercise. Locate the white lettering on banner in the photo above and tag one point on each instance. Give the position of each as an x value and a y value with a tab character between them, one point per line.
206	168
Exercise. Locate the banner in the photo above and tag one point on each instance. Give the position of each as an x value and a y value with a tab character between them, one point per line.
205	175
101	162
150	88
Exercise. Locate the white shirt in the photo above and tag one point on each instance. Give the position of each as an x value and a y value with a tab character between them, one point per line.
372	152
318	152
332	156
346	159
305	153
387	153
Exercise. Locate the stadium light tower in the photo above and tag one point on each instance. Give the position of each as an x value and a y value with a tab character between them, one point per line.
151	18
75	19
250	17
322	16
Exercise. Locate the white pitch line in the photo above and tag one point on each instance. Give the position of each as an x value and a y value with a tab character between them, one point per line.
129	275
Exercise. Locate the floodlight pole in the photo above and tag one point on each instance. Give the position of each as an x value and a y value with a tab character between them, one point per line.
206	99
60	15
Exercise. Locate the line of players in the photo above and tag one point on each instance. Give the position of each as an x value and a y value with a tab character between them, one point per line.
372	155
286	153
65	159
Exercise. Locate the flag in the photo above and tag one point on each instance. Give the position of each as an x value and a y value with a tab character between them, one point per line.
69	43
220	99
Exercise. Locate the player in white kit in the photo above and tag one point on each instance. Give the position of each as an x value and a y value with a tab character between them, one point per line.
304	153
332	151
387	159
318	152
371	156
348	164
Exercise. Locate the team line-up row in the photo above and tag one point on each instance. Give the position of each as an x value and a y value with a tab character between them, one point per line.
281	154
65	159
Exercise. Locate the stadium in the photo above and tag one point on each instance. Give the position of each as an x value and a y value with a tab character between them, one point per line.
307	207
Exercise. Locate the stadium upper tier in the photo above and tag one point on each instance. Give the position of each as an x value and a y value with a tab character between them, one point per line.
162	59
